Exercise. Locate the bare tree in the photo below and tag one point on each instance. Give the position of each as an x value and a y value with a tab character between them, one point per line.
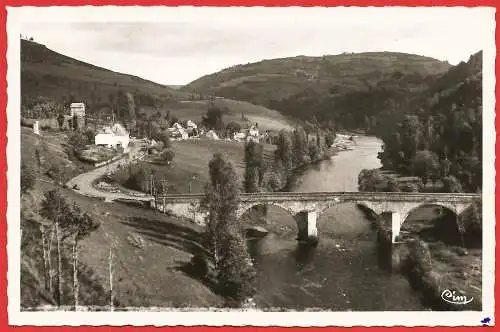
111	258
79	225
55	208
111	294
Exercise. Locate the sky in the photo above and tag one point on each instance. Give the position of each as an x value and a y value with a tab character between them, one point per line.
178	45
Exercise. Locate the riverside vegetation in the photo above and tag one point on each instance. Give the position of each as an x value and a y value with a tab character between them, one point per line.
440	146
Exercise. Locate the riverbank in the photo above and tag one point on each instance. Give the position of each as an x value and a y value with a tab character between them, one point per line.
437	270
435	258
296	172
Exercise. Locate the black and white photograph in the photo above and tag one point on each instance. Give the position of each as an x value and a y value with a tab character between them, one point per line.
251	165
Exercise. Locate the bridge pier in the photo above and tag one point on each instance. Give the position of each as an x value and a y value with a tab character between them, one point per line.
307	225
396	222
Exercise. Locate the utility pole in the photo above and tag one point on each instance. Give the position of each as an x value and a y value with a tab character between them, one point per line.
191	182
164	189
164	186
153	189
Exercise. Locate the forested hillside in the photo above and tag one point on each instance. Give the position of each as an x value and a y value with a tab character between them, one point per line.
49	81
440	136
349	89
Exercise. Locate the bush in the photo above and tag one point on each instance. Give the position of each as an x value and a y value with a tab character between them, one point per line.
274	182
452	185
419	258
411	187
77	142
28	178
54	172
167	156
372	180
199	266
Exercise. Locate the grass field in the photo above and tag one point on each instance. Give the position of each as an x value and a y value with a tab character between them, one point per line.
144	275
192	158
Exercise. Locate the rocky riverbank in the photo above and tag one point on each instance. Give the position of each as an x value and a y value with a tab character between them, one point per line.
445	275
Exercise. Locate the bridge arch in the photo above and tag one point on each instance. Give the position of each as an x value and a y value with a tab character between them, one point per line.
301	217
245	207
343	217
437	221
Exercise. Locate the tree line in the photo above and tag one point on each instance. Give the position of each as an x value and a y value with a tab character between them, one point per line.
441	141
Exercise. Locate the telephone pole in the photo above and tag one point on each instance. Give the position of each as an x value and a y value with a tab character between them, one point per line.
164	186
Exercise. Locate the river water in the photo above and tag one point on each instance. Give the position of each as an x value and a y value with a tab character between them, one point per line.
342	273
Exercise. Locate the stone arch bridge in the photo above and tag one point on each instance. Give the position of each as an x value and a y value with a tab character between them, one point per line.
306	207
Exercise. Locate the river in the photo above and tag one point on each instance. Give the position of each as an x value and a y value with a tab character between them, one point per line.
342	273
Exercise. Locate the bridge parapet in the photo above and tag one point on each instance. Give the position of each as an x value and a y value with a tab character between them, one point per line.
341	196
399	205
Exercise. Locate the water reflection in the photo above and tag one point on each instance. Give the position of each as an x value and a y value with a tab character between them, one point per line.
343	271
304	254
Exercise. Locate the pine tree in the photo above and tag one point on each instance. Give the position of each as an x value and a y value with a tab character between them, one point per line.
283	152
233	266
254	166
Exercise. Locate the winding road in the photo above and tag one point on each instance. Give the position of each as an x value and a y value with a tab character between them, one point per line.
85	181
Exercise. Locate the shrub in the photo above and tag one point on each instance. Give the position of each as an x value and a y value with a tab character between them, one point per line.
419	258
167	156
199	266
28	178
411	187
54	172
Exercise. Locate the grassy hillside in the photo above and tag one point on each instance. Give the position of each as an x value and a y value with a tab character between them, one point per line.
50	81
151	248
327	87
237	111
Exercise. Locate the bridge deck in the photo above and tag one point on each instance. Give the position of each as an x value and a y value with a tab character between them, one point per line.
322	196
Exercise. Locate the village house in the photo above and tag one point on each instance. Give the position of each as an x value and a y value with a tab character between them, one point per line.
253	134
114	137
77	109
239	136
178	132
192	128
212	135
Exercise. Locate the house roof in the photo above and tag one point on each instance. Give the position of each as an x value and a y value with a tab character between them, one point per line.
119	130
116	130
77	105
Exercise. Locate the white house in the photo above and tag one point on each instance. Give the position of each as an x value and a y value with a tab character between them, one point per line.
191	124
253	134
212	135
36	128
176	126
191	128
239	136
178	132
115	136
253	131
77	109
